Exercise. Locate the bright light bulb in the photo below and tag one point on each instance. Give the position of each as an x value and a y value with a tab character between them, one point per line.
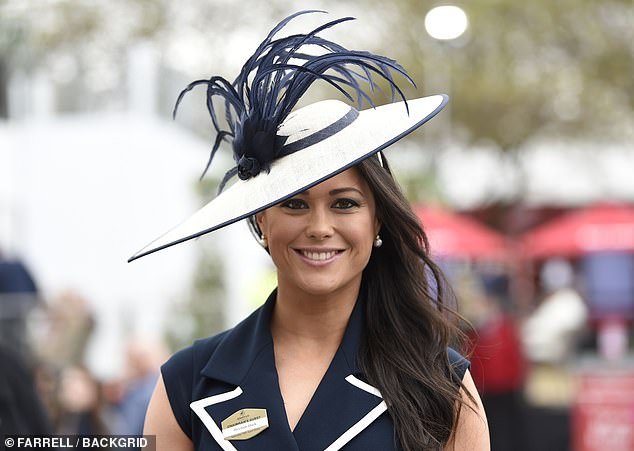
446	22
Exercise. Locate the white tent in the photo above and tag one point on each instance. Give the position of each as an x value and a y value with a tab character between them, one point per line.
80	194
546	172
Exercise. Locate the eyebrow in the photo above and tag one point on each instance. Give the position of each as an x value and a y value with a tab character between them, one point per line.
336	191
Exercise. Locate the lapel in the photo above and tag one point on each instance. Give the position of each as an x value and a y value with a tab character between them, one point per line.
343	405
341	408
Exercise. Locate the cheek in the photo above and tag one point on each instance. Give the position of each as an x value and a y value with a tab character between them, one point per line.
364	237
367	248
280	234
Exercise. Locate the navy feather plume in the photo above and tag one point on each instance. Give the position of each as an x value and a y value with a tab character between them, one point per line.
271	83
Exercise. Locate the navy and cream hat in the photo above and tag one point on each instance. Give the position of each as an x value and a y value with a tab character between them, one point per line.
280	152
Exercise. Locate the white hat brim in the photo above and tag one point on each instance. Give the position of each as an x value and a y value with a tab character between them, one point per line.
373	130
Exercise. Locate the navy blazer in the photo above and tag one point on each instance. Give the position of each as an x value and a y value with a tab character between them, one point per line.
218	376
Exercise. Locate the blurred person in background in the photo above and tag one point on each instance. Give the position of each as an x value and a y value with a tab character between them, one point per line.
21	409
64	329
352	350
81	406
498	364
18	297
143	360
551	333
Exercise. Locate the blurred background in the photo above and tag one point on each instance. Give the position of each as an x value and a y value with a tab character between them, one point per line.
525	184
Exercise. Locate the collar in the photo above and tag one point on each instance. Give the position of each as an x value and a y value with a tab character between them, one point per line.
341	408
241	346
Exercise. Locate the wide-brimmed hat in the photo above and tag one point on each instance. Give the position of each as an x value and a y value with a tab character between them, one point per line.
280	152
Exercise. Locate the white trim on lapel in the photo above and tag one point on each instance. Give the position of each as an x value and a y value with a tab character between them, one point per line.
364	386
199	409
363	422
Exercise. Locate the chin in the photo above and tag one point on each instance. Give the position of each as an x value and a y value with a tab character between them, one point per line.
319	291
325	288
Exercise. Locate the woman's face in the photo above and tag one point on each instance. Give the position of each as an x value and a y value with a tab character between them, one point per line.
321	239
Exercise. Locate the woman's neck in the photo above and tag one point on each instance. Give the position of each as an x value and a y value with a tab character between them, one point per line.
312	319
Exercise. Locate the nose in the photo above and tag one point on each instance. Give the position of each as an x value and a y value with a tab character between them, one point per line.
319	225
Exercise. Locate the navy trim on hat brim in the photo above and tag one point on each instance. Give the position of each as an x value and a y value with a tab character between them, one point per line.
143	252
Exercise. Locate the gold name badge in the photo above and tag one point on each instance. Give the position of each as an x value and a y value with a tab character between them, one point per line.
244	424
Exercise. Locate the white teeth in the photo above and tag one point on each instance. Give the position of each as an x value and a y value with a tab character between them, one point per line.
319	256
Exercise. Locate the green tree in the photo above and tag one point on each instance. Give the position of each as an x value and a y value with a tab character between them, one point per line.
525	68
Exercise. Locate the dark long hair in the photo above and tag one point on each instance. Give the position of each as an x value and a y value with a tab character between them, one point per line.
409	322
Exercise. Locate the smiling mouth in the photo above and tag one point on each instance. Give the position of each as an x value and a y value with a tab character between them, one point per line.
318	256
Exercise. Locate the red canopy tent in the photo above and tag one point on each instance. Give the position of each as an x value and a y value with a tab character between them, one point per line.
604	227
456	235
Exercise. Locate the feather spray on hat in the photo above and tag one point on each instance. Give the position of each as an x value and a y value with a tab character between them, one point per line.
271	83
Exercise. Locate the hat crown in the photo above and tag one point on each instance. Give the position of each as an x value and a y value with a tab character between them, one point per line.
311	119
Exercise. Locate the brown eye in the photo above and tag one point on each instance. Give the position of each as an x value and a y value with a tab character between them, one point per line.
345	204
294	204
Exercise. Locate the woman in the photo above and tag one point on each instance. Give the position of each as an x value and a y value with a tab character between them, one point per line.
352	349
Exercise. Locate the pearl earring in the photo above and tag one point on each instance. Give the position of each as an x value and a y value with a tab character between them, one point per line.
263	242
378	242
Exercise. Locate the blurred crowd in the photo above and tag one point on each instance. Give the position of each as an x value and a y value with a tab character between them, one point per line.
509	350
45	385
